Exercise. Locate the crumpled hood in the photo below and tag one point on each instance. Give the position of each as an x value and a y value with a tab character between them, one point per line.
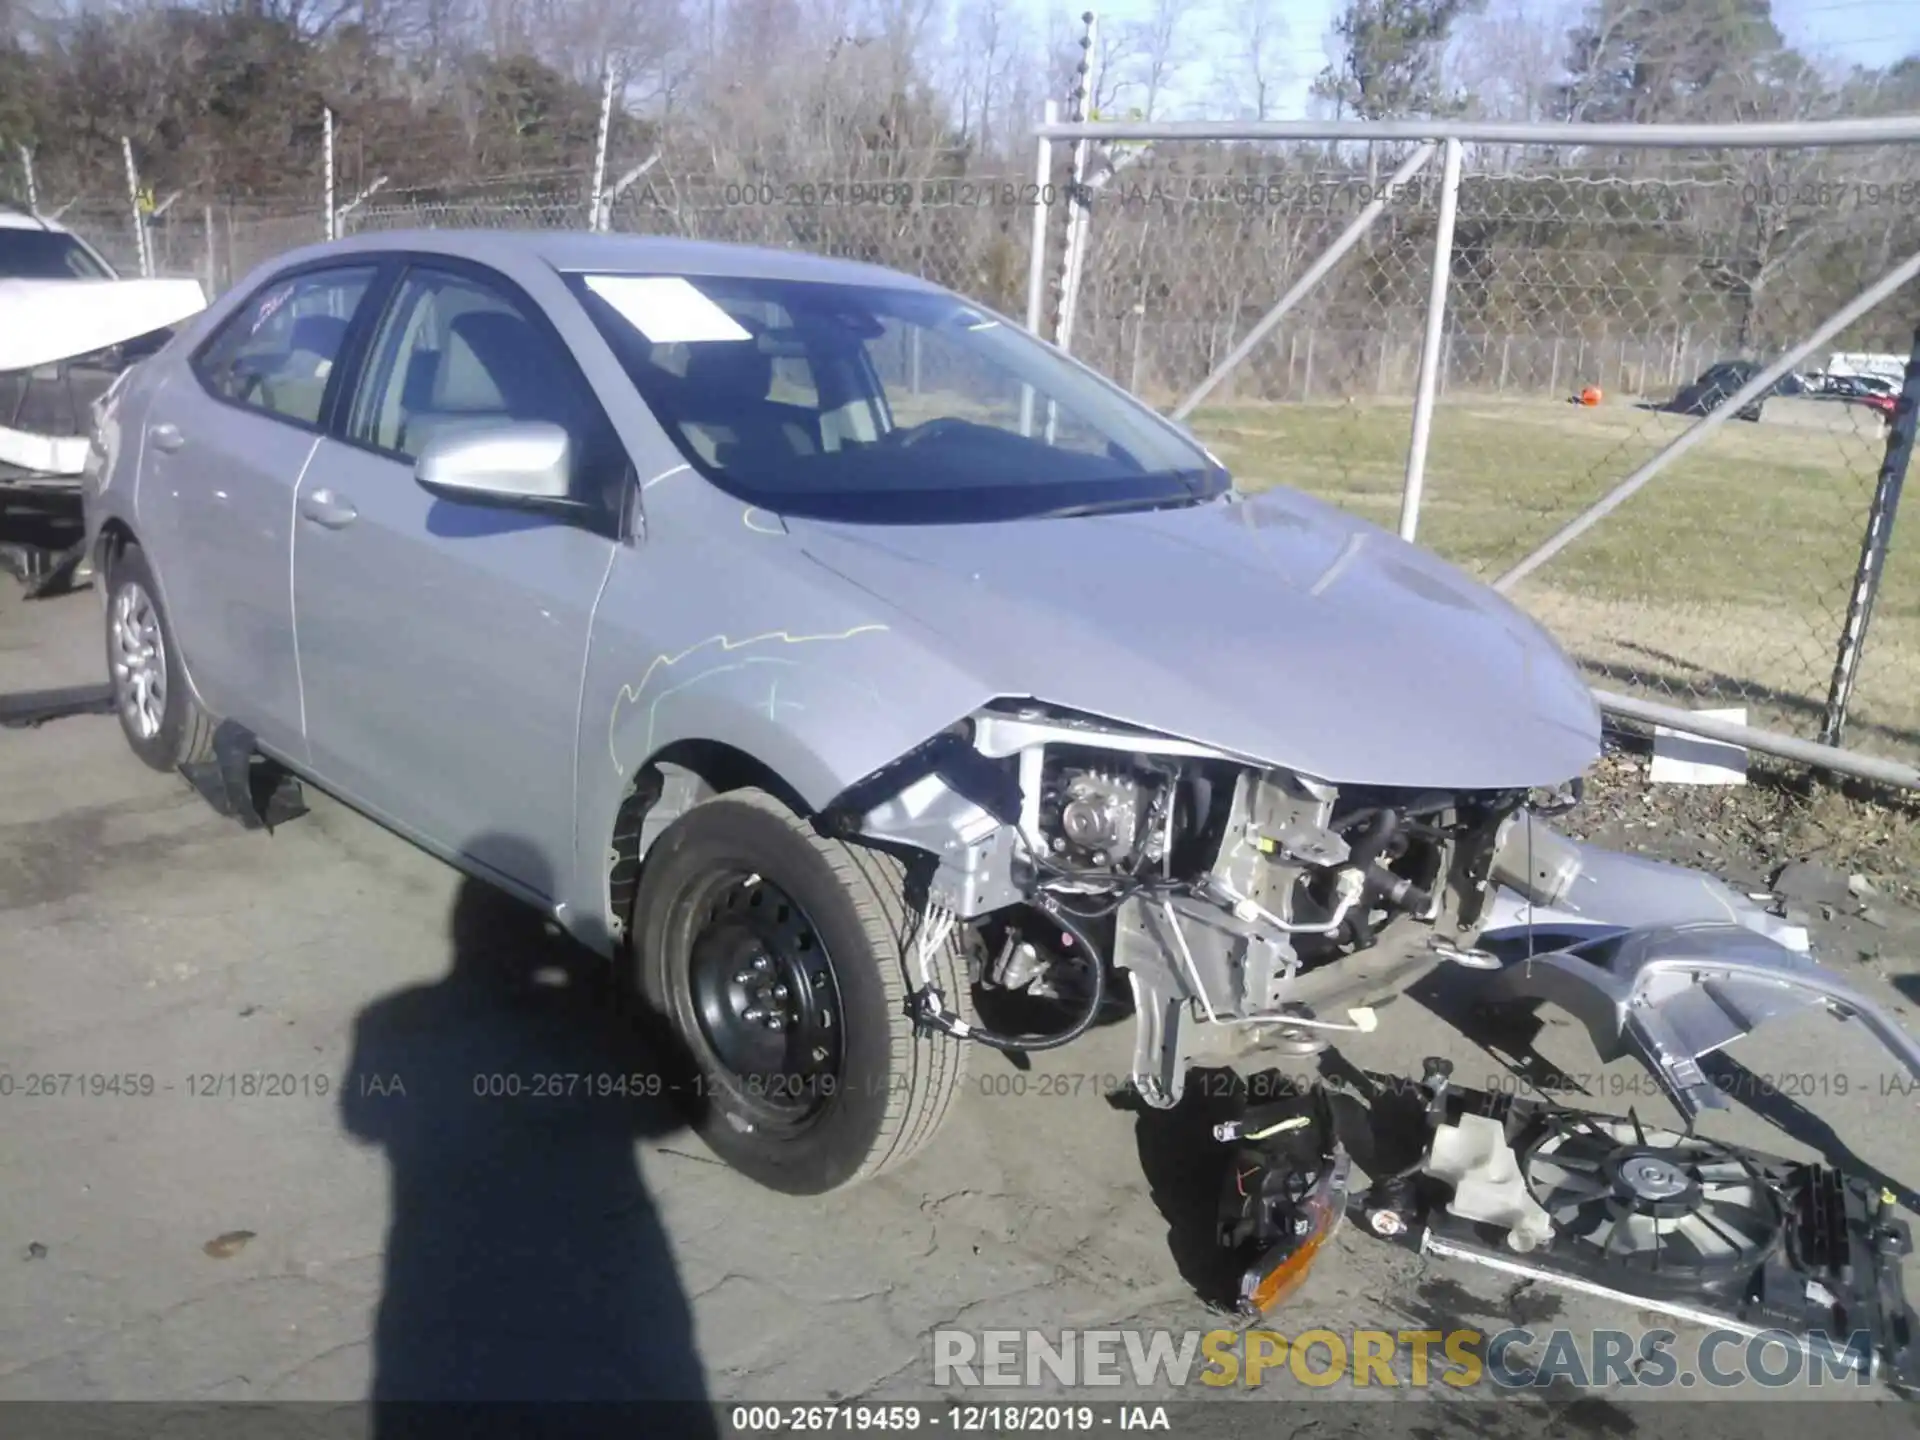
1278	628
43	321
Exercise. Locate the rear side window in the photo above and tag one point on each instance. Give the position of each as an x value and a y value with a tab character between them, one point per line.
276	353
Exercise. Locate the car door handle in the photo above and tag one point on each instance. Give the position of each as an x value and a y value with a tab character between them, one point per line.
323	507
166	437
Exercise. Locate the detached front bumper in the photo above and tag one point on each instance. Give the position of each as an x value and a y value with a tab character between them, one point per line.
1672	994
1659	962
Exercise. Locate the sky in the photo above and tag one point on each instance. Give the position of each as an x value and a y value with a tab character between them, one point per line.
1846	32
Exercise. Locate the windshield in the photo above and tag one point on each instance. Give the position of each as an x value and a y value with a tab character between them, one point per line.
45	255
883	405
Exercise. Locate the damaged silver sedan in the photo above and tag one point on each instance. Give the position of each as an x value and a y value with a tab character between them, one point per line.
841	660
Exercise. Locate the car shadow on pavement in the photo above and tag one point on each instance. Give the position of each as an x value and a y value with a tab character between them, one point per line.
525	1261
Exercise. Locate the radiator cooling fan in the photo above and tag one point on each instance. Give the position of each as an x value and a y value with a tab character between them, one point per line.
1701	1230
1668	1209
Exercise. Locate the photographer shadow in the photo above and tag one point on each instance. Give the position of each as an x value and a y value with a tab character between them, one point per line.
525	1262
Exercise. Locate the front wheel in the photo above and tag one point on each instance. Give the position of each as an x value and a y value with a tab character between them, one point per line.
781	961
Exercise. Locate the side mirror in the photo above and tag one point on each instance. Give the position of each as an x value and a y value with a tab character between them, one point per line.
527	464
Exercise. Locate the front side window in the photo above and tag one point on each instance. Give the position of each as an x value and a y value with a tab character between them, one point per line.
455	353
46	255
881	404
276	353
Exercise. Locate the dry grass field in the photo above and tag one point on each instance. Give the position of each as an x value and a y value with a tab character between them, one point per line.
1723	582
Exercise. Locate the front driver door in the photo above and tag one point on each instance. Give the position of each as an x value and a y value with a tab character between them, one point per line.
442	642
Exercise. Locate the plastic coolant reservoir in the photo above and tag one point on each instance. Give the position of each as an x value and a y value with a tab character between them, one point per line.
1474	1157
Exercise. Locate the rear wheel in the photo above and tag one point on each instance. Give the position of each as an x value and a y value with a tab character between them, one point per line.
163	723
781	962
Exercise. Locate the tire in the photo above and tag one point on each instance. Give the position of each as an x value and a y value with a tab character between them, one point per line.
170	730
802	1124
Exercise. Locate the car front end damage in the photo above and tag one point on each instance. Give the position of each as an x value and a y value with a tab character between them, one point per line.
1079	857
65	348
1067	847
1228	894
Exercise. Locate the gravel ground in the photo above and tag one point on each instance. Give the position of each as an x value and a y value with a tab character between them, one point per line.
1845	858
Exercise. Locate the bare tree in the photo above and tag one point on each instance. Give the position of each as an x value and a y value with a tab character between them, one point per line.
1503	59
1258	72
987	43
1160	52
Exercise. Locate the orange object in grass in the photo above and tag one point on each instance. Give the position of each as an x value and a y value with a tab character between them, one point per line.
1590	395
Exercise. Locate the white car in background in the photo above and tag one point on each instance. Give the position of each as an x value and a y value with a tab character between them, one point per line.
69	325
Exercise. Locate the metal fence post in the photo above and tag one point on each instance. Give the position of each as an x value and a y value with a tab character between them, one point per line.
133	201
1873	550
1037	251
1078	198
1430	356
596	218
1037	254
326	140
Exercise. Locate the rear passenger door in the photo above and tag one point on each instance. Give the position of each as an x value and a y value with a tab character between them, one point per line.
442	642
225	444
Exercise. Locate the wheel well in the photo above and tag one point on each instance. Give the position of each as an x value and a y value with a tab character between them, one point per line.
115	537
719	768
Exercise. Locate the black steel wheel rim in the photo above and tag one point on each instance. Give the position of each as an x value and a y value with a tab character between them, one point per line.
763	999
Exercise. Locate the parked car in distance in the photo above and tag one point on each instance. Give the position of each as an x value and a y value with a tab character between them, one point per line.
1855	387
1719	383
821	648
1871	392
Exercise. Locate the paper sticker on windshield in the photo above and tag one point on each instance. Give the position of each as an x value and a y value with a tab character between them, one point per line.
666	309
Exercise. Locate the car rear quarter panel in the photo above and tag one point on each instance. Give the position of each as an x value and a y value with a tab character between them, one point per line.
111	500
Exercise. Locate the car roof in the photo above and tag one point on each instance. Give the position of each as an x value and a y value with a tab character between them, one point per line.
578	252
14	218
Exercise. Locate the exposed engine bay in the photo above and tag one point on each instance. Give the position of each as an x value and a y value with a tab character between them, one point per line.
1071	851
1212	883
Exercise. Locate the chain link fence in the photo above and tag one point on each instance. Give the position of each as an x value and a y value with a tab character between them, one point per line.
1619	280
1621	277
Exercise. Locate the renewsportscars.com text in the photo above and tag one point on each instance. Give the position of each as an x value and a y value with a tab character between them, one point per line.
1515	1358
